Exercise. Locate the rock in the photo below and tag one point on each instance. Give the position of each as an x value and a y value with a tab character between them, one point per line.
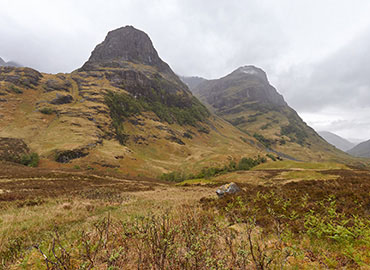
68	155
230	188
56	85
125	44
61	99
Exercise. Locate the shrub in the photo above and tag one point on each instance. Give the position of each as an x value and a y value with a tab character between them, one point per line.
271	156
47	110
31	160
266	142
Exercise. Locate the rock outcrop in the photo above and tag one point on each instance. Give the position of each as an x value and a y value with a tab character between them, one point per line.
125	44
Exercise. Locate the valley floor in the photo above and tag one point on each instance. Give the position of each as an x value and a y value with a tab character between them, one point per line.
290	215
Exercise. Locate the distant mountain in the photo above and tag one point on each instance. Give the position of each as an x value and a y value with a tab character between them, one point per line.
192	82
247	100
8	64
361	150
336	140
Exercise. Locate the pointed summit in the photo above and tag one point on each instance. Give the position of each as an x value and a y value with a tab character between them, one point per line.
125	44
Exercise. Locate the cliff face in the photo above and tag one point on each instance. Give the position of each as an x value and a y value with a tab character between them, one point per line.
125	44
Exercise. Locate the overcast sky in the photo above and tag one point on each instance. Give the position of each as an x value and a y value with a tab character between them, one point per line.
315	52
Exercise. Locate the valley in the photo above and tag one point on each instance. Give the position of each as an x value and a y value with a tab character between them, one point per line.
116	166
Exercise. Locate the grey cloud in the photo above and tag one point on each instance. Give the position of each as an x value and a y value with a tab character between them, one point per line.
342	79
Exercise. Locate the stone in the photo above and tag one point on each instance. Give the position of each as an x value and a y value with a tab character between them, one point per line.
230	188
61	99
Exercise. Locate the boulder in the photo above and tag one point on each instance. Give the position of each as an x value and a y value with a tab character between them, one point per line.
61	99
230	188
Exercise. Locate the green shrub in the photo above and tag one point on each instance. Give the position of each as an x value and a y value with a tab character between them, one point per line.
31	160
266	142
122	106
47	110
271	156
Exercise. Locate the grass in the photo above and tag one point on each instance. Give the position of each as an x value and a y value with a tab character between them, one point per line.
199	181
305	175
101	224
286	164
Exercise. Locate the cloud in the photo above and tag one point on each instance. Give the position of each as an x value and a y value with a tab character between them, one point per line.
314	52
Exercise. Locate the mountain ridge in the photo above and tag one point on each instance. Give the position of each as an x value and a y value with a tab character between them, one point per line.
247	100
336	140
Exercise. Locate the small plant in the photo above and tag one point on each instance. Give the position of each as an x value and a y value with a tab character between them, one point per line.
31	160
271	156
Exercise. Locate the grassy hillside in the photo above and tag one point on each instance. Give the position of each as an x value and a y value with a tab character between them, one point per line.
87	119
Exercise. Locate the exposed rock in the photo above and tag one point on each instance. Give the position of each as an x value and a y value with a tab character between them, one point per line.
24	77
126	44
68	155
12	149
57	85
61	99
230	188
175	140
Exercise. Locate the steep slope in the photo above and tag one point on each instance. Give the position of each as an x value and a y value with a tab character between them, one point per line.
361	150
124	109
336	140
246	99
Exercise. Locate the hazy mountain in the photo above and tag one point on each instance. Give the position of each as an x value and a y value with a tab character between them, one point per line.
8	64
192	82
246	99
336	140
361	150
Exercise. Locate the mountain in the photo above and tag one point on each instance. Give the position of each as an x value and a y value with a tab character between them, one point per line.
361	150
192	82
336	140
246	99
124	109
8	64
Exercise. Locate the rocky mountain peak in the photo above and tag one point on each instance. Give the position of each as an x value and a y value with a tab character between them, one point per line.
126	44
2	62
251	71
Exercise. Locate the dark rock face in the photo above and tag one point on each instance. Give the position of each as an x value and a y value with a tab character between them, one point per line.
125	44
66	156
56	85
61	99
